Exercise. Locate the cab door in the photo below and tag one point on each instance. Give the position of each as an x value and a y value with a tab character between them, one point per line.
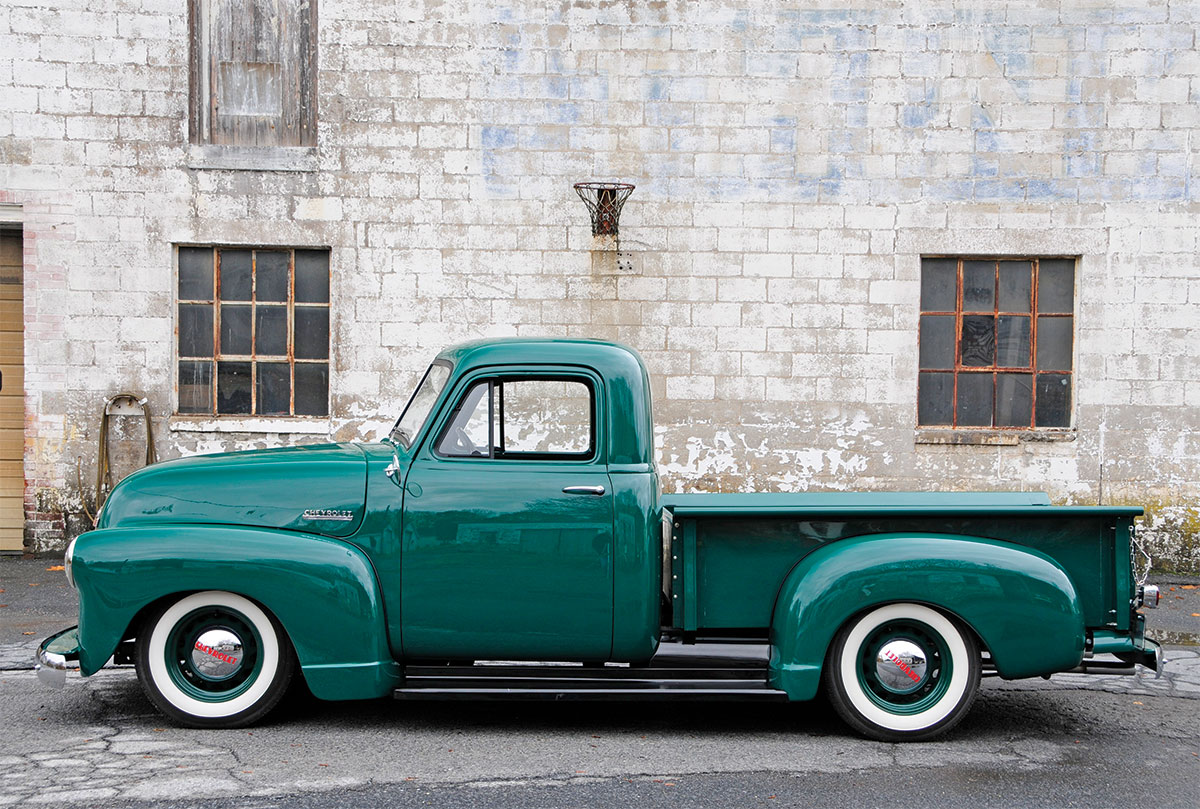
508	524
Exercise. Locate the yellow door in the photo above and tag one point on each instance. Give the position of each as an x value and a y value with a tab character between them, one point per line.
12	392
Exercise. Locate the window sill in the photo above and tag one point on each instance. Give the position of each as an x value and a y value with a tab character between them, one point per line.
252	424
253	158
994	438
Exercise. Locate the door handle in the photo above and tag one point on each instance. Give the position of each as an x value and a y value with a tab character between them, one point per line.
597	490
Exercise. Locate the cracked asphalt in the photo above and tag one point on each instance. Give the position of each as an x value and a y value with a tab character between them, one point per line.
1072	741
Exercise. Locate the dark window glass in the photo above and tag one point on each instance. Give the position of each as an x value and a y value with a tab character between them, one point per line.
1054	343
993	364
937	341
312	389
974	400
235	275
274	392
935	399
235	330
1056	286
1012	341
195	330
1053	400
195	387
233	387
312	333
260	332
1016	286
939	284
312	276
978	340
195	273
270	331
1014	400
270	276
979	286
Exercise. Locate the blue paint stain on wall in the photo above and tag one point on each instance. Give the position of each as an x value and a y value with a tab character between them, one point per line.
498	137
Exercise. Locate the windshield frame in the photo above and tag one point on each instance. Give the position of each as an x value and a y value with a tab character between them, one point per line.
397	436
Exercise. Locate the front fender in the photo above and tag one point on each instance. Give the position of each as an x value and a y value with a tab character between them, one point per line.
323	591
1020	602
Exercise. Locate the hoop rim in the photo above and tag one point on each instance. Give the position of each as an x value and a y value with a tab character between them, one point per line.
602	186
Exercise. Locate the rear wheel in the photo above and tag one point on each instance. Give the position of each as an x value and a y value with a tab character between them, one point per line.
214	660
902	672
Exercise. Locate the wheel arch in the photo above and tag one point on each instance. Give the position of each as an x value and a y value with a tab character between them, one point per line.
995	589
322	591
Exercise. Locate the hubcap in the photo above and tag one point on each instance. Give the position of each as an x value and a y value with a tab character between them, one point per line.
217	654
213	654
904	666
900	665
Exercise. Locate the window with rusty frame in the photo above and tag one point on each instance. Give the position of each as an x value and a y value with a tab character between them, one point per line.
252	331
996	343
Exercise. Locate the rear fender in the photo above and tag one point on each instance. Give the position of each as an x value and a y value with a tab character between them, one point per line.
1020	602
323	591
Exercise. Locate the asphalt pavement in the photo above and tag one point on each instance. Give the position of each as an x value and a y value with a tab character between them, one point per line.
1074	740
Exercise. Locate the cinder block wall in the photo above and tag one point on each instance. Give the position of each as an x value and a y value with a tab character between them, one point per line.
792	166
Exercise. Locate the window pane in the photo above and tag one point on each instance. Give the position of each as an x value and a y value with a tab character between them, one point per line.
1053	400
935	399
235	275
233	387
270	276
939	284
195	330
468	434
1014	400
195	387
550	416
1056	285
312	333
975	400
1054	343
979	340
312	276
1012	341
937	341
270	331
274	393
235	330
195	273
1016	286
979	286
312	389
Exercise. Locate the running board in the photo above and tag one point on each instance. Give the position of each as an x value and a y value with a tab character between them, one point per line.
678	672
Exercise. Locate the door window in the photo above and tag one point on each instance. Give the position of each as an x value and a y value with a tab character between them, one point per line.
530	419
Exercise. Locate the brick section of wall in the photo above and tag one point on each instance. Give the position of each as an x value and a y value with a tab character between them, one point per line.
792	167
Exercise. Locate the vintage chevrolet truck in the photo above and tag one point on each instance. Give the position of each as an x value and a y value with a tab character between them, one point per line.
509	540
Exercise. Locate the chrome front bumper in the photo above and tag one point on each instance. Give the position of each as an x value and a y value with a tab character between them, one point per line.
56	655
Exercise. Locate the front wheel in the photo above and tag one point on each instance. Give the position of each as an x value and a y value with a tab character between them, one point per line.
214	660
902	672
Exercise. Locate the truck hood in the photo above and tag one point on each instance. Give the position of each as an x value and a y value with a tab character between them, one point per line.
319	489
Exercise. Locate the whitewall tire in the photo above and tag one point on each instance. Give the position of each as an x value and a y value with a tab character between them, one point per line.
214	660
902	672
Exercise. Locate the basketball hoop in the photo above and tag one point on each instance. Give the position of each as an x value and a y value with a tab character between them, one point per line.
604	202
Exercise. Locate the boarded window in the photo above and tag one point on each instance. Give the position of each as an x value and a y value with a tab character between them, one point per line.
996	342
254	72
253	331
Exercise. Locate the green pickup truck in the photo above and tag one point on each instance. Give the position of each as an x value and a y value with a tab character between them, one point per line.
509	540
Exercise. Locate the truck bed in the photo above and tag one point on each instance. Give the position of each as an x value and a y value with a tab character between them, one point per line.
721	543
